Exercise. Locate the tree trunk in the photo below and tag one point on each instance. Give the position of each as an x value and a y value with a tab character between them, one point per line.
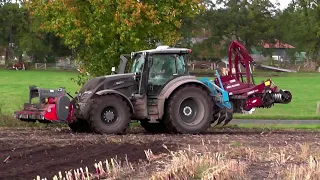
6	61
20	58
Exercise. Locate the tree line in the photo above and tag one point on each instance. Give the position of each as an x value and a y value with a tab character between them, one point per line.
98	32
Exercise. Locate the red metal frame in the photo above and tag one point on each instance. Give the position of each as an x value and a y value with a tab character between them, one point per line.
238	55
241	56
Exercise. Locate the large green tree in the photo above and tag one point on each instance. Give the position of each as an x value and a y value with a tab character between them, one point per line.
299	24
248	21
100	31
12	24
19	28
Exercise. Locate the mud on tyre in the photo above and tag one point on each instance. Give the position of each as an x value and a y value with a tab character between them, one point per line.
189	110
109	114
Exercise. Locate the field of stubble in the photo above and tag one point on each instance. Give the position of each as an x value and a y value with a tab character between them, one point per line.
220	153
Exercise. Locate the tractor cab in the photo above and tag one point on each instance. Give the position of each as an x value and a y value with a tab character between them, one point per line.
154	68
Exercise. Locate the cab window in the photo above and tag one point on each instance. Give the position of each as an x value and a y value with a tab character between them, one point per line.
181	65
138	64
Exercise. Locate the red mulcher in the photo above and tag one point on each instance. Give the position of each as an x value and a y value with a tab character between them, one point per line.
53	106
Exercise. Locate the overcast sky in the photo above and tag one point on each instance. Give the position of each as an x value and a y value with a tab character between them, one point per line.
283	3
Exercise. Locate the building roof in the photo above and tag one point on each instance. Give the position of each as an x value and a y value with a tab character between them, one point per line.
278	45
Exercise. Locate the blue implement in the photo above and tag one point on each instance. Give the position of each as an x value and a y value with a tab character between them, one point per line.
220	95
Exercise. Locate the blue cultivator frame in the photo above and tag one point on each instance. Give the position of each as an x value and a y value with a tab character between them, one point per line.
220	95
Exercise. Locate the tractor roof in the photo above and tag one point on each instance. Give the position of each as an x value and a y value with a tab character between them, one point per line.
165	50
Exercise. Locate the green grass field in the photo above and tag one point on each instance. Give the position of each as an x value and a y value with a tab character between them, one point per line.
15	86
304	87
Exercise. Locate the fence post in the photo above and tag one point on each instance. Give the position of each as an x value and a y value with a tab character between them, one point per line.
318	108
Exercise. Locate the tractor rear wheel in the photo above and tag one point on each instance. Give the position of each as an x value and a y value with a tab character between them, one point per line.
109	114
80	126
153	128
189	110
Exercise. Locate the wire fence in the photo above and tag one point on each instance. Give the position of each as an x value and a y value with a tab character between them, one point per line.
60	66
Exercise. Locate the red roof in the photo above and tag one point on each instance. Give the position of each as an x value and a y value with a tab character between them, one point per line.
278	45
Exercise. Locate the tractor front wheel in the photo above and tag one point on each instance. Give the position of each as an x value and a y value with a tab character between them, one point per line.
189	110
109	114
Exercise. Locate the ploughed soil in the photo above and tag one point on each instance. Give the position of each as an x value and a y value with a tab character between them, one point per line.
26	153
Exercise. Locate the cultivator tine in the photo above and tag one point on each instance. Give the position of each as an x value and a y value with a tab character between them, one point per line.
215	118
228	118
221	118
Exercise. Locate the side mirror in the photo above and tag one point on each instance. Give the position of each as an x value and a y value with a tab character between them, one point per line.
113	70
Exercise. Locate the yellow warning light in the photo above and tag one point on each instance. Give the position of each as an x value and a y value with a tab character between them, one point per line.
267	83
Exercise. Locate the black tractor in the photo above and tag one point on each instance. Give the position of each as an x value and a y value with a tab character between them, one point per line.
155	90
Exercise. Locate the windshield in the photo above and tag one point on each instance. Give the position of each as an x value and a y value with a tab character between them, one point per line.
138	64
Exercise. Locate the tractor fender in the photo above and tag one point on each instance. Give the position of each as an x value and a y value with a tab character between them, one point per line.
168	89
110	91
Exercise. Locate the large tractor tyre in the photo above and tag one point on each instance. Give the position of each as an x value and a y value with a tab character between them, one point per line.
109	114
189	110
80	126
154	128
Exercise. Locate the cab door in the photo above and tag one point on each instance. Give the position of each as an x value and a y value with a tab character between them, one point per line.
139	97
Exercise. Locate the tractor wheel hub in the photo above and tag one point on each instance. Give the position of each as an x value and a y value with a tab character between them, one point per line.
187	111
109	115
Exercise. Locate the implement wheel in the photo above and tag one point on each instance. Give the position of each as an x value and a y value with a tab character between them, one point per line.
189	110
109	114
